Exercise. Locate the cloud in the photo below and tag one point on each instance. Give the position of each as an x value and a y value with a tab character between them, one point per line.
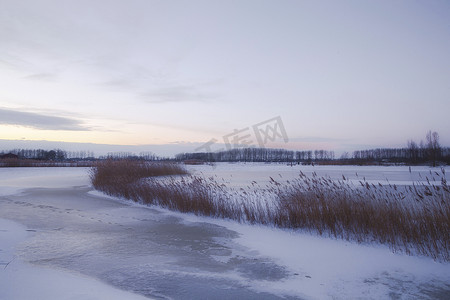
41	76
316	139
39	121
179	93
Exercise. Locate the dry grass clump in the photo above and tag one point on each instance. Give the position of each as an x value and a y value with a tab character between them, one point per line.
413	219
192	194
120	177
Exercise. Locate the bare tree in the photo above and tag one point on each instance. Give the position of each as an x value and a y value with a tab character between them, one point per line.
413	151
433	146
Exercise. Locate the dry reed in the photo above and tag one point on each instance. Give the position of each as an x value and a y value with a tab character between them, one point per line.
412	219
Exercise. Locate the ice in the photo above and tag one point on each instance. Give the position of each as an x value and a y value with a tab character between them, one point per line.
19	280
107	246
13	180
241	174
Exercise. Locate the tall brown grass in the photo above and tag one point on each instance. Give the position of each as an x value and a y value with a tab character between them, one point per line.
413	219
120	176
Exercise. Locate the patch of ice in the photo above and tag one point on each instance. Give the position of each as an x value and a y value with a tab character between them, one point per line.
14	180
19	280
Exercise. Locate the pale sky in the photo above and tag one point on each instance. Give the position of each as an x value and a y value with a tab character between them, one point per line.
341	75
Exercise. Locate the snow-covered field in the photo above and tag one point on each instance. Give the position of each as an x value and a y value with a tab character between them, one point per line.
241	174
59	239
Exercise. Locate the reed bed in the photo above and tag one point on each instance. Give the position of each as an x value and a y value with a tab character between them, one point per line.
412	219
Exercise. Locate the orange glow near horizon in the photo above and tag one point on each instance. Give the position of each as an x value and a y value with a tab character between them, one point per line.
131	135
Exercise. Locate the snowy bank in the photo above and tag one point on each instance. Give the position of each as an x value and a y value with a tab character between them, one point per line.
326	268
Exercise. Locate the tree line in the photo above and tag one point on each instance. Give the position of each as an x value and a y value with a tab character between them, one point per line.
258	155
424	152
49	155
359	157
62	155
146	155
429	151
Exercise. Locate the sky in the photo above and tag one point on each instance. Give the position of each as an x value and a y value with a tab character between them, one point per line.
336	75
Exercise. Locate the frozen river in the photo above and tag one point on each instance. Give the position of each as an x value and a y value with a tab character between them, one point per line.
164	255
241	174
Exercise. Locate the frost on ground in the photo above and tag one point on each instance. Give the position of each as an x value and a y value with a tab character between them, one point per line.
99	244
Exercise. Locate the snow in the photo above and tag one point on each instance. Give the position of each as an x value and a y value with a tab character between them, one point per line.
14	180
241	174
81	244
330	268
19	280
326	268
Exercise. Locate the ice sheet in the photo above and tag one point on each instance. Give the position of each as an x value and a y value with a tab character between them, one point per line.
14	180
19	280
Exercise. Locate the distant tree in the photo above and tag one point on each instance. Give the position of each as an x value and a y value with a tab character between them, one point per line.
413	150
345	155
50	155
60	155
433	147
